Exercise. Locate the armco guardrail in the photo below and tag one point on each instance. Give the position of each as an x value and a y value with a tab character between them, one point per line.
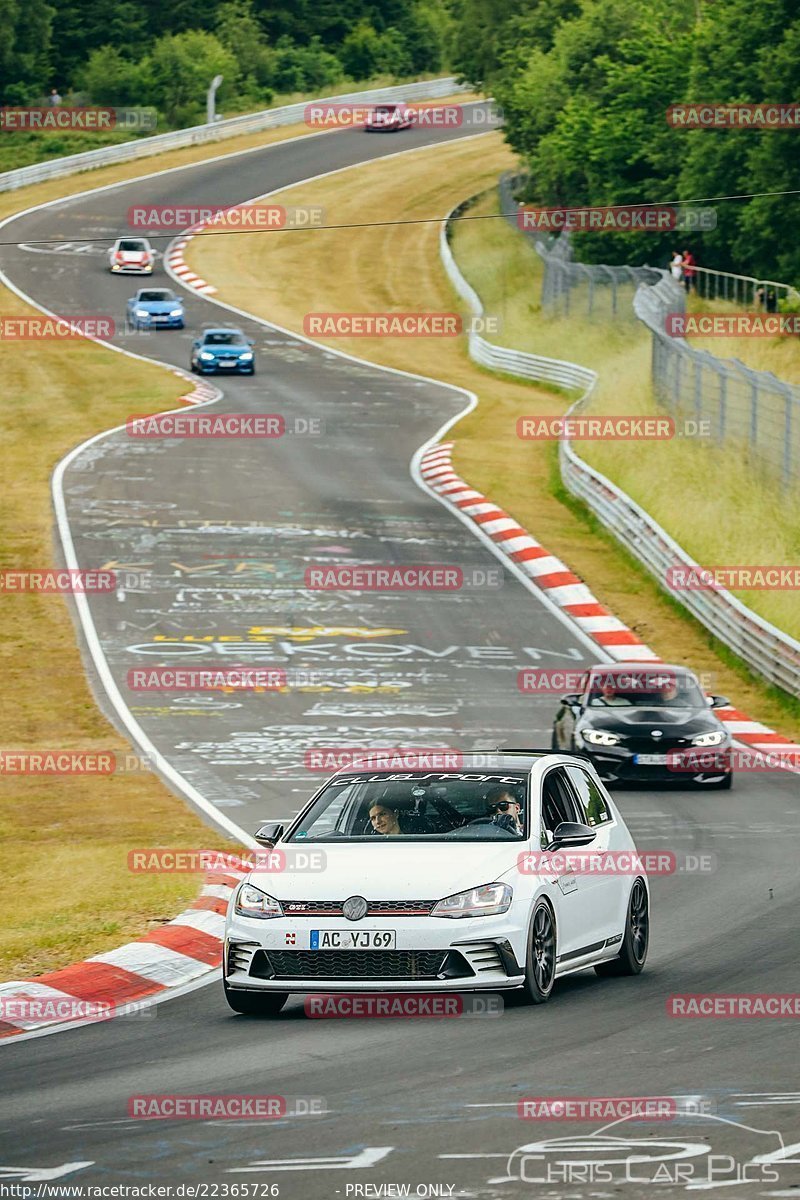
770	652
290	114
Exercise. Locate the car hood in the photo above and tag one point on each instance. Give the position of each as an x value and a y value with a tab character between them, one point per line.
157	307
641	720
414	871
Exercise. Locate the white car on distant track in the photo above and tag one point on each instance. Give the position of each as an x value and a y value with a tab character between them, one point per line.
131	256
440	881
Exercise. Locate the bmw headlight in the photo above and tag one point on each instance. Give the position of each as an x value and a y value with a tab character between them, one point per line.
252	902
206	355
176	312
487	901
600	737
142	312
715	738
245	357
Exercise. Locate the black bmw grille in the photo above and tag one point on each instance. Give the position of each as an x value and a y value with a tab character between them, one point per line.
345	964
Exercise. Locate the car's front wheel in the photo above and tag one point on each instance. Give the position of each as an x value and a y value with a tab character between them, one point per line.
636	938
540	967
255	1004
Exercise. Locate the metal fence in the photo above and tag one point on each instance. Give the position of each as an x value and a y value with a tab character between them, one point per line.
769	651
738	405
573	288
270	118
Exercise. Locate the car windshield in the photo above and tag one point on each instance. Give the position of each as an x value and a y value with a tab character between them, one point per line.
643	689
224	337
164	296
429	807
131	244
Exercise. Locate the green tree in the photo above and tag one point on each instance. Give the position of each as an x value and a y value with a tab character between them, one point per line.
181	66
25	49
110	78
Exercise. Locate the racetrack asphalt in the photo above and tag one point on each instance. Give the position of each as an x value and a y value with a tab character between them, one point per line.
219	535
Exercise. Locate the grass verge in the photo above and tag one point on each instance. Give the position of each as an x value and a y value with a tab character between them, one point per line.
710	498
397	268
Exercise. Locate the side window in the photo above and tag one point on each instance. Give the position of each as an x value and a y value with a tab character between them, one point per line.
558	803
590	795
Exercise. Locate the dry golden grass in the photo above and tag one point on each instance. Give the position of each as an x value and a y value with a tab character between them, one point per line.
397	268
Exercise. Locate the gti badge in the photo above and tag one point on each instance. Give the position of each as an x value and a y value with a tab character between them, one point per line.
354	908
656	733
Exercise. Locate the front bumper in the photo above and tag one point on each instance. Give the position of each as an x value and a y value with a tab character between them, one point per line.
155	323
432	954
616	764
239	368
130	269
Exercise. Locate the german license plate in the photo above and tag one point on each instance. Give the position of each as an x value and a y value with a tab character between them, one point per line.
650	760
352	939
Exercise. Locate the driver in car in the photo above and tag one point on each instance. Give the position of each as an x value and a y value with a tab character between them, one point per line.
504	809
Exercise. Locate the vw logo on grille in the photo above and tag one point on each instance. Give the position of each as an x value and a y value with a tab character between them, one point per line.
354	908
656	733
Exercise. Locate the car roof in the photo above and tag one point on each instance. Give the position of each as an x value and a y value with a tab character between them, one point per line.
222	329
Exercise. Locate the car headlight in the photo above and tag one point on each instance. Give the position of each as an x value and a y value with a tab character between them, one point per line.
205	354
252	902
715	738
245	357
176	312
486	901
142	312
599	737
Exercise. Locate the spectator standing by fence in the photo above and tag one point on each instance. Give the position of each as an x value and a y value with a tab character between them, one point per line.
676	266
689	270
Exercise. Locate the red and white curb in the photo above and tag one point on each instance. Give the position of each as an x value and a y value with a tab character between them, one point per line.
201	393
168	957
566	589
177	263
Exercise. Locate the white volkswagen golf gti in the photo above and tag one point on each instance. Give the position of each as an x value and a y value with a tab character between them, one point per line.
509	872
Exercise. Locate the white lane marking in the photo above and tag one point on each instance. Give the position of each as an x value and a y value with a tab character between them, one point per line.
368	1157
31	1174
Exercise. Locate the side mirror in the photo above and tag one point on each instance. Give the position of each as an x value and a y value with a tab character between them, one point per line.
718	701
573	833
267	835
572	700
250	342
